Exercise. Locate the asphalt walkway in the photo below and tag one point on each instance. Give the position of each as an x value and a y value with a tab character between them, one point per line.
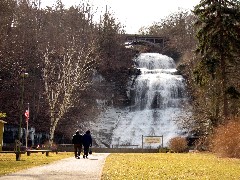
67	169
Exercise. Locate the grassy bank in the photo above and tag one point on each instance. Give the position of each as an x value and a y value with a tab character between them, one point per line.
170	166
9	164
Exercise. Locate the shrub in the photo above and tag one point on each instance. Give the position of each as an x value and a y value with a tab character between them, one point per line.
178	144
164	150
203	143
226	140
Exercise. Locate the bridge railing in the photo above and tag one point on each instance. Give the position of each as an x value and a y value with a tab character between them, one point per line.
134	38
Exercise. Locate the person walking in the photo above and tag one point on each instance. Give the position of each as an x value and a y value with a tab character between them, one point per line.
87	142
77	141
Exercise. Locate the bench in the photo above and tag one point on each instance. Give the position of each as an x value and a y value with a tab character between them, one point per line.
39	150
18	154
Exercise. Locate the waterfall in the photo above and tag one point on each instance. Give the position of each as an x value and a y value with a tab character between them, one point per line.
157	97
157	102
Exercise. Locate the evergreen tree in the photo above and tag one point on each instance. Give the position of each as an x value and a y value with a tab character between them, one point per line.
218	25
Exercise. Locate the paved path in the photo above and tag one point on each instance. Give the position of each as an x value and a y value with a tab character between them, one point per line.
67	169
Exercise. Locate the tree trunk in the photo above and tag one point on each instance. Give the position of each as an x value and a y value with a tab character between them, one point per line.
54	122
223	76
223	67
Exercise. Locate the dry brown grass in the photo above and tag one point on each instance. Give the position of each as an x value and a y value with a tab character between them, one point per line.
8	163
226	139
166	166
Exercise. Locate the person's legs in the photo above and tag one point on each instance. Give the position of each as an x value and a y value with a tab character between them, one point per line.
79	150
75	150
86	152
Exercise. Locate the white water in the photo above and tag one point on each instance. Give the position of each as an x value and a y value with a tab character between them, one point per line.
157	97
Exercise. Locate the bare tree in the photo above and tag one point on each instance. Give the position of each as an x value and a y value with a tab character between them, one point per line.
69	58
64	76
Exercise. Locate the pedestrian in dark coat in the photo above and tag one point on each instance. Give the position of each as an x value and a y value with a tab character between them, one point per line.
77	141
87	142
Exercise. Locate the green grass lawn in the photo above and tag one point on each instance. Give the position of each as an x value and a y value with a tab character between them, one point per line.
162	166
9	164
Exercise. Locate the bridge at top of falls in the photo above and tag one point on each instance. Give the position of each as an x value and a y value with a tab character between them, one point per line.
136	39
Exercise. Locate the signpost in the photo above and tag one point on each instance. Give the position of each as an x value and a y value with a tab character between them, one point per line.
23	76
152	140
1	133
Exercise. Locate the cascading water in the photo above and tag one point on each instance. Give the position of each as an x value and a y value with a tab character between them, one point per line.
157	102
157	98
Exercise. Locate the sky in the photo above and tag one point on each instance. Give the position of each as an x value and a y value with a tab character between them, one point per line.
133	14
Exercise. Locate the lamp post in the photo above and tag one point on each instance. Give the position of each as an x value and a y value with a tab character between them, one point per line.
18	143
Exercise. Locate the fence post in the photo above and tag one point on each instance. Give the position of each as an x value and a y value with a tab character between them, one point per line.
162	141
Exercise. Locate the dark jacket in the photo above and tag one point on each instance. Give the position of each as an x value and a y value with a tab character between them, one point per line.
87	140
77	139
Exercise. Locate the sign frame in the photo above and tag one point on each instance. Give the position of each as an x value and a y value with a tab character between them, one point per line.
154	141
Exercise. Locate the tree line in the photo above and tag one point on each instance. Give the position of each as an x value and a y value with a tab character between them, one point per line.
48	58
